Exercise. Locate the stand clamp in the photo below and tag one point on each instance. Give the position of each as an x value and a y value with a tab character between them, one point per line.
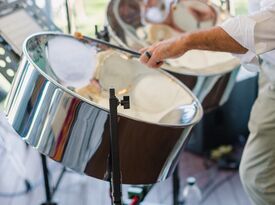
103	34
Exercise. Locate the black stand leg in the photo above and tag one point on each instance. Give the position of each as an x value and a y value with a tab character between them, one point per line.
69	25
46	182
114	147
176	186
114	155
58	181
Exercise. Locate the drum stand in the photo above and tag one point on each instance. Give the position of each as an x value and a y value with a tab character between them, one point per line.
176	186
46	182
102	34
114	163
48	191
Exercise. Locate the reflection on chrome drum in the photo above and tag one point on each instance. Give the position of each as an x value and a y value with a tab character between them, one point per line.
59	105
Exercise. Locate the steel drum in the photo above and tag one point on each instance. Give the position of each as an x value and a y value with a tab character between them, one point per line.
59	105
210	75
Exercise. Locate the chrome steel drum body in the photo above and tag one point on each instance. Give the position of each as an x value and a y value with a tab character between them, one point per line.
59	105
210	75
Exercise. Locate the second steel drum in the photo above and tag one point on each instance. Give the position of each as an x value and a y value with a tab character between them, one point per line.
210	75
59	105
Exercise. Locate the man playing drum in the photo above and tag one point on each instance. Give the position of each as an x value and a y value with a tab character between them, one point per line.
250	37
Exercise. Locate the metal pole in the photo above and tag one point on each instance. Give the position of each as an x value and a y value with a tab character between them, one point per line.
46	182
68	16
58	181
115	175
176	186
46	178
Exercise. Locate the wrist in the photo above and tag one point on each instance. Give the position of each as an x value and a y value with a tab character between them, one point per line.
186	42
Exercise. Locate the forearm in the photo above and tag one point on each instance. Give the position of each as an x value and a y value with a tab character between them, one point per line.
214	39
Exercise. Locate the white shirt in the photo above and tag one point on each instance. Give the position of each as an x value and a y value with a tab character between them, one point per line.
256	31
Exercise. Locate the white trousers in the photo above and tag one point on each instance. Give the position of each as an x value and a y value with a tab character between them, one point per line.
257	168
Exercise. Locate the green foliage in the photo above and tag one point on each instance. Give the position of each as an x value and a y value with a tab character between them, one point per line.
241	7
95	11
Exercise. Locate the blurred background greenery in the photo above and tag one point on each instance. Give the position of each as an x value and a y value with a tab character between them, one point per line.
95	11
85	14
241	6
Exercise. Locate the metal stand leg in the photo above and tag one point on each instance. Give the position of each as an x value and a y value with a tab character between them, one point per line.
176	186
58	181
114	152
69	24
46	182
114	146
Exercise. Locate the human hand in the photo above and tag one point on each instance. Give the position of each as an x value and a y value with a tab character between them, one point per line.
154	56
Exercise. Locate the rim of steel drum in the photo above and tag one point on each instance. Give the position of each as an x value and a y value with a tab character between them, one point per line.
149	146
216	69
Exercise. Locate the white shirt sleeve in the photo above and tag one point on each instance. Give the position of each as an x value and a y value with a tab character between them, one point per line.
256	32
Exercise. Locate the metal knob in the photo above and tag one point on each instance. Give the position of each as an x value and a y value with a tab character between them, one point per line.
103	34
125	102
